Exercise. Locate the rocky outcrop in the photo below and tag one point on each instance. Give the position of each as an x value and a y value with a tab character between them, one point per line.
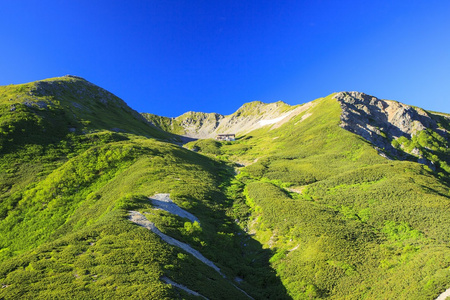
368	116
250	116
381	121
199	125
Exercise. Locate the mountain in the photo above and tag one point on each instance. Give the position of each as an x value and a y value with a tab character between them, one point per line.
344	197
249	117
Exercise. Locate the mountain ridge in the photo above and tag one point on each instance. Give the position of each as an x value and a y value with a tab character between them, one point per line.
250	116
380	122
79	100
298	207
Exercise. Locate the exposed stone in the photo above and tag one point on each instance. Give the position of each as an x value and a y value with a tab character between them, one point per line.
382	153
426	162
394	118
415	152
249	117
163	201
381	121
38	104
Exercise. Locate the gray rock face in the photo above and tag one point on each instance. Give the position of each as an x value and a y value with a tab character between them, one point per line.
200	125
250	116
381	121
424	161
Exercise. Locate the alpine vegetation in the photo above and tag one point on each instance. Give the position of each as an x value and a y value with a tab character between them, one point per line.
344	197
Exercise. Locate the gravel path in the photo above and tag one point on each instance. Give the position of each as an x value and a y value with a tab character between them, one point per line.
140	219
163	201
182	287
444	295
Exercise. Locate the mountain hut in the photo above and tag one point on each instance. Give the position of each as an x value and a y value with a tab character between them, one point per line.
226	137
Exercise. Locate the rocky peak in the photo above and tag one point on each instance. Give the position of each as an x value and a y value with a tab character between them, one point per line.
382	121
250	116
368	116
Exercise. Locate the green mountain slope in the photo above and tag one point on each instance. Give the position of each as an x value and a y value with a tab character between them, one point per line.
65	202
339	198
56	106
344	221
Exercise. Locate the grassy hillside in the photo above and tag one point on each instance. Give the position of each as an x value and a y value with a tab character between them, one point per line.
306	210
343	221
71	229
47	110
64	224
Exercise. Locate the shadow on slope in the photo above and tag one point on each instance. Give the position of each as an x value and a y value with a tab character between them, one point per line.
69	231
346	222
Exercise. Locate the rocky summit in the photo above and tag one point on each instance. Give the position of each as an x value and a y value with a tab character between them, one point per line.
343	197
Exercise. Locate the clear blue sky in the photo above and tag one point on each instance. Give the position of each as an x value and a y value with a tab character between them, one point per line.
169	57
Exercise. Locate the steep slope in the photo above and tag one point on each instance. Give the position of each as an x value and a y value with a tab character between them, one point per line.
66	194
399	130
324	200
343	221
396	130
250	116
54	107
